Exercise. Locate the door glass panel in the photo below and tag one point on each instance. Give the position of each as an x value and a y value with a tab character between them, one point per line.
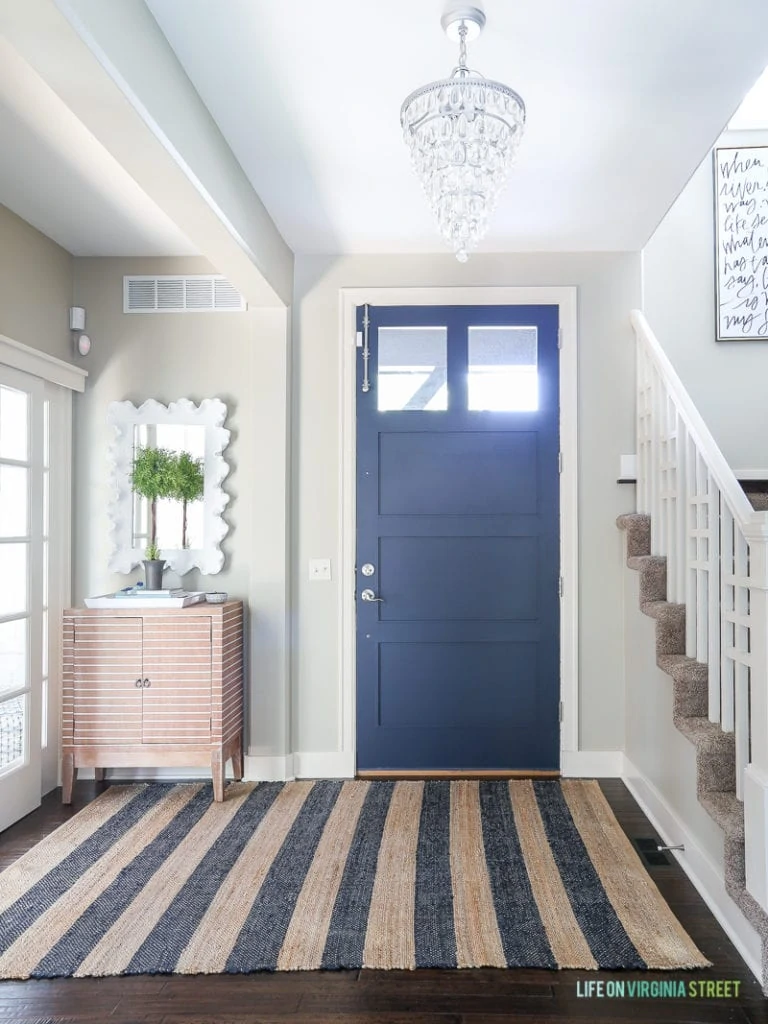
503	372
12	716
13	501
14	432
13	656
413	365
13	573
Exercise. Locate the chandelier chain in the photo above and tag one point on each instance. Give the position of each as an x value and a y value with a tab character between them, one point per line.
463	46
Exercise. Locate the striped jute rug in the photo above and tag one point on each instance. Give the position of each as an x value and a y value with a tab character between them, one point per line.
300	876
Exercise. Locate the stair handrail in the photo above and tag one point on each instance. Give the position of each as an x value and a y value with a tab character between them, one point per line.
724	476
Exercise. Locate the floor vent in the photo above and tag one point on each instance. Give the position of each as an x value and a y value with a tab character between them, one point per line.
169	293
649	852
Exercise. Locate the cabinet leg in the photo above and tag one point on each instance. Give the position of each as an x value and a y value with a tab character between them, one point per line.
67	777
98	774
237	758
217	771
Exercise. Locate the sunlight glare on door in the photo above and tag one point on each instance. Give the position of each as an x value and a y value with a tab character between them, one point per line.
503	369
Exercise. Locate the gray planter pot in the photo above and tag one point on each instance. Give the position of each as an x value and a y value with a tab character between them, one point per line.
153	573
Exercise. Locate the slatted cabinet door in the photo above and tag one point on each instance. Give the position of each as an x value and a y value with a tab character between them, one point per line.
107	663
177	680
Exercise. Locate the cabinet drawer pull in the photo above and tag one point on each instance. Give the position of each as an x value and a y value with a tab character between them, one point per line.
137	683
147	682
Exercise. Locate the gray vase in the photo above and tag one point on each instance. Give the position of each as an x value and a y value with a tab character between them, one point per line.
153	573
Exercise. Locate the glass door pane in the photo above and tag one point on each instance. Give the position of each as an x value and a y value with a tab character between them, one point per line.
21	593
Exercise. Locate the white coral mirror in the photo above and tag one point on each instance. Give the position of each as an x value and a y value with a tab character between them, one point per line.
186	542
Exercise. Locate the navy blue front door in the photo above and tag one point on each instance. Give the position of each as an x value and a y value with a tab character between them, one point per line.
458	539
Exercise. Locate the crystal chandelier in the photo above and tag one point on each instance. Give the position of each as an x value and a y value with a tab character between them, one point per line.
463	133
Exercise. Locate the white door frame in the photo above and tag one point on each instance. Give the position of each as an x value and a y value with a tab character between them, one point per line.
566	300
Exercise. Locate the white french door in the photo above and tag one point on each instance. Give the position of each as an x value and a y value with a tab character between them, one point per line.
24	519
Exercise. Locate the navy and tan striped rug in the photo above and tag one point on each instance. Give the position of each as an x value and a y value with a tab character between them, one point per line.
154	879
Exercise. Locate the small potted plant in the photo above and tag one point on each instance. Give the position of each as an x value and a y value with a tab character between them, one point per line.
187	485
152	478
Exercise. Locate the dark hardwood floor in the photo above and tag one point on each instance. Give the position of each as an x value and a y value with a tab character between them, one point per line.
378	997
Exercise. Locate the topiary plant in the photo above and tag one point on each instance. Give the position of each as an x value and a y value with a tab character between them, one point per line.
187	484
152	478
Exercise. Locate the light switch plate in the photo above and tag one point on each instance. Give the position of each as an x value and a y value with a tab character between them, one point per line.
319	569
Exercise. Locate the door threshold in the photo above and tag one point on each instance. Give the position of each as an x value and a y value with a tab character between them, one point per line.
449	773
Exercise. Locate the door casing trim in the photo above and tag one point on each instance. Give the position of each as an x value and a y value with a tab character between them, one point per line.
566	300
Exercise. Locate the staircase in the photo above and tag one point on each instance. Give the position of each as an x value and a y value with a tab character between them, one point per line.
701	551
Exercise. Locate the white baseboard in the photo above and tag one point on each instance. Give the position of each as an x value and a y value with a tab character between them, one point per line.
704	875
591	764
331	764
325	765
269	767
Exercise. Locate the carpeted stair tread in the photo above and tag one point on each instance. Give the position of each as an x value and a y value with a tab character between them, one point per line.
758	500
638	530
727	811
663	610
703	733
670	626
653	576
715	754
688	670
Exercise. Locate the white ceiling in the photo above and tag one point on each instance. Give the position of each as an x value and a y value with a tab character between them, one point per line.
57	177
623	98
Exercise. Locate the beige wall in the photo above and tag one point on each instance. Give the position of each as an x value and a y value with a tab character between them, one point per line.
726	380
35	287
608	287
240	358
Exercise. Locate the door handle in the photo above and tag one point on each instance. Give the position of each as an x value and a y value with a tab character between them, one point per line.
138	683
147	682
368	595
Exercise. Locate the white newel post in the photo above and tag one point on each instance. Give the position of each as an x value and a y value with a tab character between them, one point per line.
756	772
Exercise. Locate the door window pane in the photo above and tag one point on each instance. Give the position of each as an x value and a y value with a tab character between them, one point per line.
13	501
12	715
413	365
503	372
13	656
13	573
13	424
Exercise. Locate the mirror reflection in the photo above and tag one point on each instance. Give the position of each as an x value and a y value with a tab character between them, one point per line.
172	532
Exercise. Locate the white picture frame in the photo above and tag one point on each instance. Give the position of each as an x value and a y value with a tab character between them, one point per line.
211	414
741	243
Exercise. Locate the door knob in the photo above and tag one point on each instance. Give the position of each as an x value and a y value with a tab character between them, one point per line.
368	595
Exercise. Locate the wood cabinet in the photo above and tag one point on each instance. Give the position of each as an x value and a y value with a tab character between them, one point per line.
153	687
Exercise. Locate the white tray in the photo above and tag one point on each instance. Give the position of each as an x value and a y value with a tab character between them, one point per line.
144	601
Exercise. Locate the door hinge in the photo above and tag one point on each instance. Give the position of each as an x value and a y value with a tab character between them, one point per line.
559	337
561	711
560	586
559	462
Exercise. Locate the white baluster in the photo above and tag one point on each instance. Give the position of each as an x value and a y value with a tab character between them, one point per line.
702	588
727	609
713	598
690	549
681	511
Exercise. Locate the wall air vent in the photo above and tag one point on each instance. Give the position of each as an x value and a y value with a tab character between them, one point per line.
167	293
